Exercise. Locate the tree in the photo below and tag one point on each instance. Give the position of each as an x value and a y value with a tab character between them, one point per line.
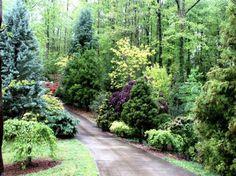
140	111
128	63
81	80
83	37
1	106
182	12
215	107
19	47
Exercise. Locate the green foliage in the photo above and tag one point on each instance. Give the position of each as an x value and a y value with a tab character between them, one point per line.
190	90
215	109
140	110
21	97
121	129
106	115
159	81
184	126
164	140
19	47
60	121
128	64
26	136
99	99
82	79
83	33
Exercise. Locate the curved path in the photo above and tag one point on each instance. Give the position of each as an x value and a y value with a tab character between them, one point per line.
116	158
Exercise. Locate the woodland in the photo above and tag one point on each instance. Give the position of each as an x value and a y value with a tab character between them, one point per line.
158	72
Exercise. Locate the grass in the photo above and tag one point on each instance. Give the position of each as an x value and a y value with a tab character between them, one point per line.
76	160
191	166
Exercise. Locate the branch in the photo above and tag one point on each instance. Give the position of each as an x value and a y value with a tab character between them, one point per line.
193	6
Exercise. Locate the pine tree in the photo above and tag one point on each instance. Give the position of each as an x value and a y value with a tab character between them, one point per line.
83	33
19	48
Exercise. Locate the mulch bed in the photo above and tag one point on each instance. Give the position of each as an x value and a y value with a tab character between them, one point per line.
37	165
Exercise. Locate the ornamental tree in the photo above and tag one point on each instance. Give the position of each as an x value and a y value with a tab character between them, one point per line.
128	63
19	48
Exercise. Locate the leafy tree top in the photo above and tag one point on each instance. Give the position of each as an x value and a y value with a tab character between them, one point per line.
128	63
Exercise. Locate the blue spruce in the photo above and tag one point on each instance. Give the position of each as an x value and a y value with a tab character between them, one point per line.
19	47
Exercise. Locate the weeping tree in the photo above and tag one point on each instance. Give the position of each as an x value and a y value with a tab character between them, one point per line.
19	47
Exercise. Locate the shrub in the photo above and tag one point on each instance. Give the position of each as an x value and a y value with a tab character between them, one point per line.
21	97
184	126
81	79
140	110
106	116
26	137
99	99
164	140
62	123
121	129
120	97
158	80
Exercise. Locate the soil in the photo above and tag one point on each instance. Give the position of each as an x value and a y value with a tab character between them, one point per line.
36	166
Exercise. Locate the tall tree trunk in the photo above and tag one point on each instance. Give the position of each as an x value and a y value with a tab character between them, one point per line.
159	29
1	104
47	35
182	12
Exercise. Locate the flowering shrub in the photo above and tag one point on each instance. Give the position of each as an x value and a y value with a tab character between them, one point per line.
118	98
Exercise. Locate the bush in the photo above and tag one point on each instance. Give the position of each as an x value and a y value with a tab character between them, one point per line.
21	97
121	129
120	97
184	126
164	140
96	103
140	110
62	123
161	120
106	116
26	136
159	81
81	79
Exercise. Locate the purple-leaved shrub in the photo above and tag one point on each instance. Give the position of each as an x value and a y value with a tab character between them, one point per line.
118	98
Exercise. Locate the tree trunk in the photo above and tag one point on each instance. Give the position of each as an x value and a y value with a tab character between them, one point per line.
1	104
159	29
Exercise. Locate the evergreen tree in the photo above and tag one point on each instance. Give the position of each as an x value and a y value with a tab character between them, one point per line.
83	33
140	111
215	107
82	80
19	48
